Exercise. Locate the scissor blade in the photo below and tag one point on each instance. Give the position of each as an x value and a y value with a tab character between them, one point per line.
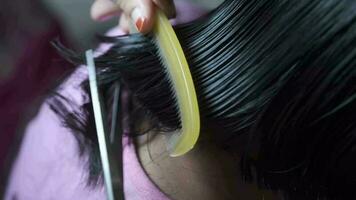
115	155
100	125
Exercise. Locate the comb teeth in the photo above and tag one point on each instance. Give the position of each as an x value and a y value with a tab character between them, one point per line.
172	57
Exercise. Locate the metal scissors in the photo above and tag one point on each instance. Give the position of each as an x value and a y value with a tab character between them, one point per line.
110	146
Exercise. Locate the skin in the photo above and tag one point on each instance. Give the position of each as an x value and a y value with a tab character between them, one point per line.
102	10
206	172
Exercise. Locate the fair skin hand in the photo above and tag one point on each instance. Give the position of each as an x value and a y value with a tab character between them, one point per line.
138	12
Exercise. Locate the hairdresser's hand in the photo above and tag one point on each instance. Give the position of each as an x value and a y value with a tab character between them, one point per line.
139	12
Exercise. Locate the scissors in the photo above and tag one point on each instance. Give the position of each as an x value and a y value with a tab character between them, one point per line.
110	146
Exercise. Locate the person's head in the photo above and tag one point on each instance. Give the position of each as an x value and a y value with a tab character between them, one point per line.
283	73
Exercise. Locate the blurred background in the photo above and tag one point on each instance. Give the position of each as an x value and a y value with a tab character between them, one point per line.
30	68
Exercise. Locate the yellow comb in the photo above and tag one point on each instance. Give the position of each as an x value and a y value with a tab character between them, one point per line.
178	70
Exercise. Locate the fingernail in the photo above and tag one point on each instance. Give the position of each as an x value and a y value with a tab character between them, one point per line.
139	23
139	18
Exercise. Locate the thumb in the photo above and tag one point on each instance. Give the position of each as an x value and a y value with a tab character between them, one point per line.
104	9
141	13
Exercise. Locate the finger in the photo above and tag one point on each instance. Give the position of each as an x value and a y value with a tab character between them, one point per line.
141	13
124	23
167	6
102	10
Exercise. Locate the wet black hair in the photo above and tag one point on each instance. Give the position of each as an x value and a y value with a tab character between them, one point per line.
281	72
